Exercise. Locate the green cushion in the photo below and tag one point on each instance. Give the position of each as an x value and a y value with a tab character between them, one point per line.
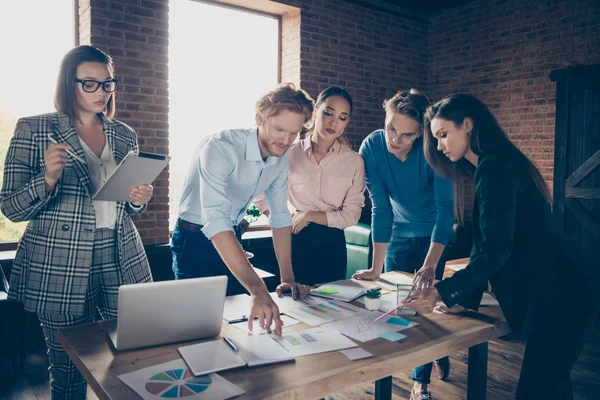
358	234
358	258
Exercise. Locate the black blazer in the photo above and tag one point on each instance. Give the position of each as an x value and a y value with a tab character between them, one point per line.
514	246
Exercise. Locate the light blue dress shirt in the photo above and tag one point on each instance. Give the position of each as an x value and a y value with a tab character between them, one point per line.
226	173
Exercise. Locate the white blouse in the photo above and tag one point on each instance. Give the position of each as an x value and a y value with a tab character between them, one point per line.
100	169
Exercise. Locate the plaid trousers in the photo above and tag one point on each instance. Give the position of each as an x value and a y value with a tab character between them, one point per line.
66	382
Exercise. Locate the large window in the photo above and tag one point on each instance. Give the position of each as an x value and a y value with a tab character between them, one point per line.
32	46
221	60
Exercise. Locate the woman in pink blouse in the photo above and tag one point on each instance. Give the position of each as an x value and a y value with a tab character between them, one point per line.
326	191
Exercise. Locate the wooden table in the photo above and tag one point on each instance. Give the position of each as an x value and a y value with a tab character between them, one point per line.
309	377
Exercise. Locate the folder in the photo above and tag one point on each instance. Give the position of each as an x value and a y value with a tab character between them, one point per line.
217	355
134	169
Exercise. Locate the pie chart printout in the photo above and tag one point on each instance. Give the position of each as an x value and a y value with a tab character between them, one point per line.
177	383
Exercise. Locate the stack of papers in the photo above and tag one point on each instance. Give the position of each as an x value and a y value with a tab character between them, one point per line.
237	308
346	290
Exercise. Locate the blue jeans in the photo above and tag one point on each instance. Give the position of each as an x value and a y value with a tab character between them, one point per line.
408	255
194	256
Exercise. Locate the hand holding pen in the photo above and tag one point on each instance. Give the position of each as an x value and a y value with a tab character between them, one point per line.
55	159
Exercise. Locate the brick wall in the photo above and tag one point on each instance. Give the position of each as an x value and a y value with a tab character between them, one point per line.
500	51
135	34
503	51
371	50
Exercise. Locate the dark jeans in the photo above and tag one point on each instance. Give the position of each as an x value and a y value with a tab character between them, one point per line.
319	254
194	256
408	255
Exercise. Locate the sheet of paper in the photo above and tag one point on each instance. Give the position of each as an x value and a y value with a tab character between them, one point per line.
392	336
347	290
262	274
488	300
290	345
174	380
356	353
386	285
363	327
237	308
316	311
213	356
397	279
257	330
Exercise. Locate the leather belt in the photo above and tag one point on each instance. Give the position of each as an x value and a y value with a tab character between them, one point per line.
189	226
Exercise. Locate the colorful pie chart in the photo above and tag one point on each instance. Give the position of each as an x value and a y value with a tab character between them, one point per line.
177	383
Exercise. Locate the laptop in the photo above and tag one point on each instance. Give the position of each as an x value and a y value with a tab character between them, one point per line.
157	313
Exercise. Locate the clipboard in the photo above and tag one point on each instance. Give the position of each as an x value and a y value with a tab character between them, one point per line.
134	169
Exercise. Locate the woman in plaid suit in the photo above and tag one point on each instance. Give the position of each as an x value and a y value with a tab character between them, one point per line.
75	252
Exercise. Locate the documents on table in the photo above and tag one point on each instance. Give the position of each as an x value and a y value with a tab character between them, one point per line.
257	330
345	290
363	327
396	279
174	380
237	308
293	344
356	353
133	170
488	300
316	310
220	355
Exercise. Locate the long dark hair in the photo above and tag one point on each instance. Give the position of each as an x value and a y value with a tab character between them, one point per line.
324	95
487	137
65	100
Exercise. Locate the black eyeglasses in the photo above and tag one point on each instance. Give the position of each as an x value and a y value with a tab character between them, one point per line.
91	86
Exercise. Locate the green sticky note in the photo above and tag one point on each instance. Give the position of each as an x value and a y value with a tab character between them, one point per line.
397	321
327	290
392	336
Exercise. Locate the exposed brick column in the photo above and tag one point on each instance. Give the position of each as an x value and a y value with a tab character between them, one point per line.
135	34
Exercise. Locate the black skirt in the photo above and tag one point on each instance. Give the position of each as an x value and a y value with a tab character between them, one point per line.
319	254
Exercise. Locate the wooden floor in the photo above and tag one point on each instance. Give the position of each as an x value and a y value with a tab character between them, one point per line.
505	357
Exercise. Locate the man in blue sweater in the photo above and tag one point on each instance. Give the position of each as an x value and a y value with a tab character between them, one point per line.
412	207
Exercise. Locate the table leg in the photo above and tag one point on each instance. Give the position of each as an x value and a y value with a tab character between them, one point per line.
477	372
383	389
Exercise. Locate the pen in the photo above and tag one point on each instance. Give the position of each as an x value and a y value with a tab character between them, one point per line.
68	151
230	343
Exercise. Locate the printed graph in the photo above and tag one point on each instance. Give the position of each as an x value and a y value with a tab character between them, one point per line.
177	383
287	342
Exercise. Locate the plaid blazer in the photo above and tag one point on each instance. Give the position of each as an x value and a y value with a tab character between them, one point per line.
51	268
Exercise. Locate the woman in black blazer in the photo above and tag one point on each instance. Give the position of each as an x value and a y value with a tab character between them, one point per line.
542	291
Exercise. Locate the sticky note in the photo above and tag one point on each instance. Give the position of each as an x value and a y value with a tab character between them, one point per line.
356	353
397	321
392	336
327	290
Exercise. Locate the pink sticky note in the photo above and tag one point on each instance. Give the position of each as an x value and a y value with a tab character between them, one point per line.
356	353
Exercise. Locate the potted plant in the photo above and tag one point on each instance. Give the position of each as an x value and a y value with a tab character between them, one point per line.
373	299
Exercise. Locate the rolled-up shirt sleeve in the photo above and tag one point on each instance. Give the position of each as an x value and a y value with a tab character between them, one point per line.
277	196
349	213
215	165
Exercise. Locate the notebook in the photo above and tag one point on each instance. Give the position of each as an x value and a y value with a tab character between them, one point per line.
217	355
346	290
